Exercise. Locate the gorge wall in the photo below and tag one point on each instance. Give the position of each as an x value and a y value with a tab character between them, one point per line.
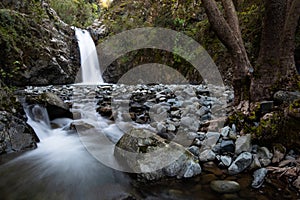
37	48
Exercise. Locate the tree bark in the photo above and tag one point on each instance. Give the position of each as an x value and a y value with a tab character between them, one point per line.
276	56
275	62
230	35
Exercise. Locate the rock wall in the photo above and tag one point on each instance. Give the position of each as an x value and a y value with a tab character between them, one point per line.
37	48
15	134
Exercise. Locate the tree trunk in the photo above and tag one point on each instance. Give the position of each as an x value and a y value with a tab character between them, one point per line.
276	57
230	35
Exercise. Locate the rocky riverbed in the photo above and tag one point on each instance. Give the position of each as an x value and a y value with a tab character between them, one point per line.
192	117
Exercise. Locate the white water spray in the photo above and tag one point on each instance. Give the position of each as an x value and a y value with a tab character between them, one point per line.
90	68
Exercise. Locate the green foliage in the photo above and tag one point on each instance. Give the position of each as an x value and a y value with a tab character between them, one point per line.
76	12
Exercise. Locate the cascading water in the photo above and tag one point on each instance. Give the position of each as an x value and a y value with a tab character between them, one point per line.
90	68
60	168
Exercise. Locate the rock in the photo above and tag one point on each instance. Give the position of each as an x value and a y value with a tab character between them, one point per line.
207	155
255	163
55	106
242	144
227	146
153	158
233	128
286	96
194	150
105	111
240	163
264	156
279	153
266	106
190	123
81	126
211	167
50	54
225	131
190	169
161	128
232	135
171	127
224	186
258	177
226	160
211	140
16	135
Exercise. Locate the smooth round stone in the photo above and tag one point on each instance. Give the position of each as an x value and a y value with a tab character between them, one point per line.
224	186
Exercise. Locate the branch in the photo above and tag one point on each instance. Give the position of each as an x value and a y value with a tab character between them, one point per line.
232	17
228	37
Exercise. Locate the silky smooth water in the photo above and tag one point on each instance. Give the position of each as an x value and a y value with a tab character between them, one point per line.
90	68
60	168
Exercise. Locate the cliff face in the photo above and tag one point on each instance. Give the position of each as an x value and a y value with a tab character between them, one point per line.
37	48
15	134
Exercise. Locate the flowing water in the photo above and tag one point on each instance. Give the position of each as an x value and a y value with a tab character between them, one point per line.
90	69
61	168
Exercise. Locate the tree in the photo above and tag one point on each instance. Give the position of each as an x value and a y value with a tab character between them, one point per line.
275	63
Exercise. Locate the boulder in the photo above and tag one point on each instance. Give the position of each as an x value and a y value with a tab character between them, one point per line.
15	135
55	106
242	144
225	186
152	157
240	163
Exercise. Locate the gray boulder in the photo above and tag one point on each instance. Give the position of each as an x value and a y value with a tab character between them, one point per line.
152	157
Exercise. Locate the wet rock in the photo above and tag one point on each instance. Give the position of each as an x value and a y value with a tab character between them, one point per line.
207	178
227	146
105	111
258	177
242	144
55	106
16	135
211	167
224	186
264	156
240	163
81	126
153	157
207	155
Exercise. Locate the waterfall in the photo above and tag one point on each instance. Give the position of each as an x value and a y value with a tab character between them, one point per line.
38	119
90	68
